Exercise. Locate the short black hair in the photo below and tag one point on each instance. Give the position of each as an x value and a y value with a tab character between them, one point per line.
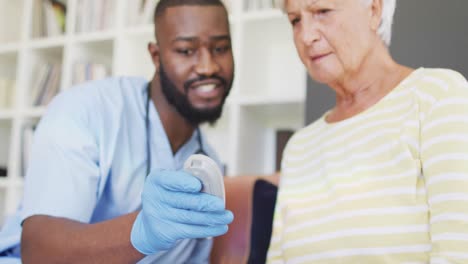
165	4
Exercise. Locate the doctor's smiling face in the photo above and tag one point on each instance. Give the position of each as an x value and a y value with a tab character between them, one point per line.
194	60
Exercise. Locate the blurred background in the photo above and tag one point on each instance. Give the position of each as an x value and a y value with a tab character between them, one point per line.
47	46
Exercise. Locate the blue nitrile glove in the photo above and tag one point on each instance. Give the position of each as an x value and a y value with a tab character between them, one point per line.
173	209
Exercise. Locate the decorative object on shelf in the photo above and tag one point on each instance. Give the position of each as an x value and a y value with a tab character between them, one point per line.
50	18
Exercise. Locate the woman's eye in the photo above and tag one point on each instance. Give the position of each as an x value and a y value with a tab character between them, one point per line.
295	21
323	11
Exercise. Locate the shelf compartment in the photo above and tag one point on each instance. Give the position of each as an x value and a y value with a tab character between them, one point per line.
6	114
143	30
3	195
44	76
49	19
4	183
257	148
10	48
94	16
27	129
259	15
218	134
91	37
48	42
34	112
134	56
8	182
5	142
11	14
250	6
91	61
12	196
8	68
139	12
271	67
269	100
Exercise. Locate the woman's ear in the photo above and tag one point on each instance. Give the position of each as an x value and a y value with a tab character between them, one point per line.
153	50
376	15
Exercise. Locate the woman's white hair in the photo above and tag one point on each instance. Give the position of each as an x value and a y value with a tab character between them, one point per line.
385	28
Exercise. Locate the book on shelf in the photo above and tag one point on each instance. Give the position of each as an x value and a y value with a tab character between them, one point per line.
140	12
46	84
6	91
86	71
27	135
94	15
282	138
49	17
255	5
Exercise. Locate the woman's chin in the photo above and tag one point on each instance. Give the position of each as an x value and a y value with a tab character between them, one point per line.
324	77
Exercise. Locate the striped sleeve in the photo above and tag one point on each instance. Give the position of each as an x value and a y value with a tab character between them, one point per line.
275	252
444	159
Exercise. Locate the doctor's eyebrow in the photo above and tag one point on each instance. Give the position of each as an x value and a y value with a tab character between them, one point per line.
194	39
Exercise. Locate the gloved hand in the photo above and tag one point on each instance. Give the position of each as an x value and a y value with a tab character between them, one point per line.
173	209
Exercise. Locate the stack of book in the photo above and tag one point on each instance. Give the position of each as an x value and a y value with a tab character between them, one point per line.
49	18
6	91
94	15
140	12
256	5
86	71
46	84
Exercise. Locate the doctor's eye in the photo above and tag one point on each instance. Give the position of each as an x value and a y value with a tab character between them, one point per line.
185	52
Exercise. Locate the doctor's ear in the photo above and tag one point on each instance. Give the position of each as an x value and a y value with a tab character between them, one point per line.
153	50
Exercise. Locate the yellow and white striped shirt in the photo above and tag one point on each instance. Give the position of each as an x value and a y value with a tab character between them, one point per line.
389	185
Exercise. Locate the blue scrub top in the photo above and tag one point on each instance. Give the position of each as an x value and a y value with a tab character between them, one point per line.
88	162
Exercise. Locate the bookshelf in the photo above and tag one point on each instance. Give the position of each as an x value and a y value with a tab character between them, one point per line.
268	92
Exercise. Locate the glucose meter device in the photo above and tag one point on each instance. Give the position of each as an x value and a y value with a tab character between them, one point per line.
207	170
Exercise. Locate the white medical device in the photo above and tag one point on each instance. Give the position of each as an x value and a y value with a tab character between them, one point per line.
207	170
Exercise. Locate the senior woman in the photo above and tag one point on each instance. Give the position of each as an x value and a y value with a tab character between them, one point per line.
383	176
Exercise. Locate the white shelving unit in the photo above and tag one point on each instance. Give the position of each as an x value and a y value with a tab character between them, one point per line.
268	92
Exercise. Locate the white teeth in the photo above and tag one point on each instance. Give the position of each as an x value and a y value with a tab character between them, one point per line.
206	88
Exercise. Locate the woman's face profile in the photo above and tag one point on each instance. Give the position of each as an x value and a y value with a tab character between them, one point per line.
332	37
